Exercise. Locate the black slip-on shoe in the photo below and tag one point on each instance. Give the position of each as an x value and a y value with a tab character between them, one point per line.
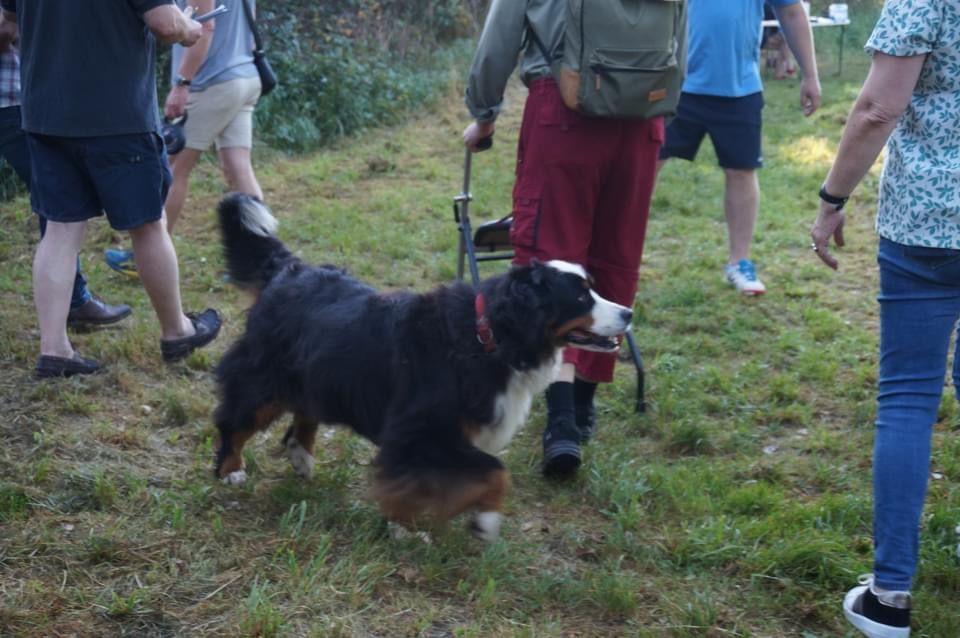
49	367
207	326
97	312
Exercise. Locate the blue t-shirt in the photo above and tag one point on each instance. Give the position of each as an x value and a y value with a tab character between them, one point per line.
87	67
724	46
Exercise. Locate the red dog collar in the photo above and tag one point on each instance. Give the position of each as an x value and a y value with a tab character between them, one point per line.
484	332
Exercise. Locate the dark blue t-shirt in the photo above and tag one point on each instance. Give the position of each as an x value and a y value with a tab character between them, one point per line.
88	67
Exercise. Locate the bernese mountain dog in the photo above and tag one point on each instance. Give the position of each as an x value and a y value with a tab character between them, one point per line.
439	381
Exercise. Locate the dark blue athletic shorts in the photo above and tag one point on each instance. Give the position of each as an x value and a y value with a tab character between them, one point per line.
733	124
125	177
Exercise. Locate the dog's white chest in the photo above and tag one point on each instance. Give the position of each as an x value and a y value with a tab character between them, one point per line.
513	406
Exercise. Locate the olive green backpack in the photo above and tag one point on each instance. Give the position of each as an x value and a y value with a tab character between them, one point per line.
621	58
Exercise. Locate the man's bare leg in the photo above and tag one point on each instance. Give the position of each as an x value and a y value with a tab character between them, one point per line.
238	171
157	264
54	269
182	165
741	203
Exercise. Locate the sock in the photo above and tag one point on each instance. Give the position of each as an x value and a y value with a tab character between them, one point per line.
874	609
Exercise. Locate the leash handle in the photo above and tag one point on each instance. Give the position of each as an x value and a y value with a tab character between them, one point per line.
484	143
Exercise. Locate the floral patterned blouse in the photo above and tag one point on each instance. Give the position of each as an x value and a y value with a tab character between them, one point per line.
920	185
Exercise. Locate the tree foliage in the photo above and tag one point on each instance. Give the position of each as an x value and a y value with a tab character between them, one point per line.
350	64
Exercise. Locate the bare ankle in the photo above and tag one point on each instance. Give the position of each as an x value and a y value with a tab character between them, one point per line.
184	329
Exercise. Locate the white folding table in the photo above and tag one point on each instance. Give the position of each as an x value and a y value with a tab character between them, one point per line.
823	21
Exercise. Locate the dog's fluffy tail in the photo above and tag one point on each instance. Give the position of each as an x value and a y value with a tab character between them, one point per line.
254	255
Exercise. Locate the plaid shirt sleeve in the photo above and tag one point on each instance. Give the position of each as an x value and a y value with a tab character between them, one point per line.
9	78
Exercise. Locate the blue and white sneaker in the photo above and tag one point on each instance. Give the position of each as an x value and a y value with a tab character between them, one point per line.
743	276
121	261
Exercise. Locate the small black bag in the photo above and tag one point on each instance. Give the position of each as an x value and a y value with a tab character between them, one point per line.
268	79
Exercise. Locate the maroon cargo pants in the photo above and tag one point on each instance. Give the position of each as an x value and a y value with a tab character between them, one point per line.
582	194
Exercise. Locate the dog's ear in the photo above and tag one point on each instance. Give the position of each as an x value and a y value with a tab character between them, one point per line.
538	273
534	272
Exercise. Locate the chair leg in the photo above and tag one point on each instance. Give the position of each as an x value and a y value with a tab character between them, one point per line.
641	405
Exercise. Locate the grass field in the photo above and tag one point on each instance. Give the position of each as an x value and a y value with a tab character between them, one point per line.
738	505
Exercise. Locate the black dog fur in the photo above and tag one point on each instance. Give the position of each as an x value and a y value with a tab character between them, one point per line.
403	369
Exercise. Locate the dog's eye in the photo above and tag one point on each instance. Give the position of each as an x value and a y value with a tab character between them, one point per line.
584	297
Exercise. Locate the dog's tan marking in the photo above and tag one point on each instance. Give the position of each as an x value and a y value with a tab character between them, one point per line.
491	500
304	431
579	323
263	417
407	500
299	442
233	462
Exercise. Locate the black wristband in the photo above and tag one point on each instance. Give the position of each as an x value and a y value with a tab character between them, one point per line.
839	202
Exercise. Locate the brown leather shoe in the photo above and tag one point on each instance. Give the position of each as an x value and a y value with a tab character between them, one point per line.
97	312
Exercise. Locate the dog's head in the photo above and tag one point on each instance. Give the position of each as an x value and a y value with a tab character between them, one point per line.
559	298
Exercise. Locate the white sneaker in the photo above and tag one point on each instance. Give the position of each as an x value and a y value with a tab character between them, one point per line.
743	276
877	613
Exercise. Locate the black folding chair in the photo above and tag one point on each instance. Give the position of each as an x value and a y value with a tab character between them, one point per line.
491	242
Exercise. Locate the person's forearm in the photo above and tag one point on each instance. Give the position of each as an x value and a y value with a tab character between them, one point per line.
495	58
796	29
867	131
194	56
884	98
167	23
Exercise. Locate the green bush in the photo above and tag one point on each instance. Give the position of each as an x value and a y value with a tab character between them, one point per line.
10	184
345	66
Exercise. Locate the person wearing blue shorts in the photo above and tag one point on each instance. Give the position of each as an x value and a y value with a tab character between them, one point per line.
89	108
86	309
723	97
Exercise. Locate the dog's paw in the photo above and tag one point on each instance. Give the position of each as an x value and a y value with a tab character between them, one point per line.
301	460
399	532
486	525
235	478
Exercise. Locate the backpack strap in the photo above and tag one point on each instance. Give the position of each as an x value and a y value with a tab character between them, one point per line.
248	11
551	60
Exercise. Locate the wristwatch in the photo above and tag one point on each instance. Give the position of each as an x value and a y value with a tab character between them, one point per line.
182	81
839	202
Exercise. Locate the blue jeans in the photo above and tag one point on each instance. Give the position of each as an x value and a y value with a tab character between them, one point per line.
13	148
919	306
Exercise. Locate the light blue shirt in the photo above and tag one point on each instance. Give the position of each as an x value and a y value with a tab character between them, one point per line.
724	46
231	51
